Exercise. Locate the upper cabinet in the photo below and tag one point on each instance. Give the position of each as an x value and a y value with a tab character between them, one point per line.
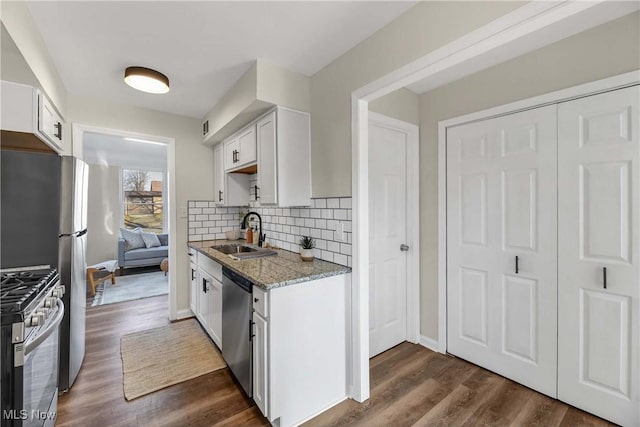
240	149
27	111
284	158
277	147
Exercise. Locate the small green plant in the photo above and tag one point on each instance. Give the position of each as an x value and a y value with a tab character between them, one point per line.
307	242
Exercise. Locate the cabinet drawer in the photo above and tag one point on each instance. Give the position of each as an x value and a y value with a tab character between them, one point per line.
261	302
210	266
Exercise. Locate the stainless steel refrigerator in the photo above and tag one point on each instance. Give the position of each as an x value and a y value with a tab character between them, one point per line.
73	266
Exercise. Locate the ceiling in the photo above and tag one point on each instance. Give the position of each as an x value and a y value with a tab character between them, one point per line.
203	47
108	150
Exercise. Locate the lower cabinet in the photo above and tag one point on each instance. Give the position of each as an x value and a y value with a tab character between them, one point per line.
205	299
260	370
299	349
193	287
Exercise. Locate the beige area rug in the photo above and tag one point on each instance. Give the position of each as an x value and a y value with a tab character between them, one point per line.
161	357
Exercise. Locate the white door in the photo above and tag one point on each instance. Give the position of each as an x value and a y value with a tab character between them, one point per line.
260	368
501	246
215	311
204	299
599	185
193	287
388	231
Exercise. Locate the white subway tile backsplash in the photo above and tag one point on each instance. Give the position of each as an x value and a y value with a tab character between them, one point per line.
283	226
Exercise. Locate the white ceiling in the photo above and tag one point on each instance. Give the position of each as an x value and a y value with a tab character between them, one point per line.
203	47
108	150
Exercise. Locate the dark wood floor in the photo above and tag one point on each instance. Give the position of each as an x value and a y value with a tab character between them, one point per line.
410	385
97	397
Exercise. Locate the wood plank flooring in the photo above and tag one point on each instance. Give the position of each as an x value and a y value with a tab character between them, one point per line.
410	385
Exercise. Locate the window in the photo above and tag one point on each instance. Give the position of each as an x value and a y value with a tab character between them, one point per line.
143	200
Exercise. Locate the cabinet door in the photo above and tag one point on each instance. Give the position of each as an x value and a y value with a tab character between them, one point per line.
218	174
267	163
260	368
231	153
215	312
502	247
599	254
193	288
49	123
247	144
204	299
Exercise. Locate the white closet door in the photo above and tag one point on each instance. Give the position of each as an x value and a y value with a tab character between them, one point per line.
599	184
501	203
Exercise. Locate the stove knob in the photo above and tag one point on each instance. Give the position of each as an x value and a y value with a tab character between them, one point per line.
43	314
35	320
49	302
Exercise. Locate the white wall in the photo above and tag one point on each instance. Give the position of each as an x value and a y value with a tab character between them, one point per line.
607	50
104	213
194	161
420	30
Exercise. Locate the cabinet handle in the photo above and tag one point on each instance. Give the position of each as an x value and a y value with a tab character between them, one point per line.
251	334
205	128
604	277
219	195
256	188
193	273
256	300
58	134
204	285
517	264
235	156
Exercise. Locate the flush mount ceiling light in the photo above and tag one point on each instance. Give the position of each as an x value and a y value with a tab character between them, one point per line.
146	80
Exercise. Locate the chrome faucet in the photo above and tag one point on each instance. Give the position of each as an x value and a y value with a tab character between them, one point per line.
261	236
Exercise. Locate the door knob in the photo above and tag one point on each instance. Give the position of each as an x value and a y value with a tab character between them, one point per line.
404	247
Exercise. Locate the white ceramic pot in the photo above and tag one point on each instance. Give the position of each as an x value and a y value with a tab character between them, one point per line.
306	254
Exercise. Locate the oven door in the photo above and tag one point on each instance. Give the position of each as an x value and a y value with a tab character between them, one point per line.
40	372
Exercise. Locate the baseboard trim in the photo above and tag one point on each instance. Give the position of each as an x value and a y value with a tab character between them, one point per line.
183	314
429	343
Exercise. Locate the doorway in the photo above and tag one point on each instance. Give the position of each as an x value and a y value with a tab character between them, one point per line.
394	233
130	181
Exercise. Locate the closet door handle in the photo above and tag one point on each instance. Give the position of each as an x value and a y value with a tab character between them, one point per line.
517	264
604	277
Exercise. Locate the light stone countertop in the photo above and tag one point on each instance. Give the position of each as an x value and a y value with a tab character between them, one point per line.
284	269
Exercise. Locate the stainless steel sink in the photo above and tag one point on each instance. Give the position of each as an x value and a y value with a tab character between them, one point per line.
234	249
243	252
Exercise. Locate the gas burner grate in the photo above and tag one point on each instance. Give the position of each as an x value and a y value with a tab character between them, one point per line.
19	289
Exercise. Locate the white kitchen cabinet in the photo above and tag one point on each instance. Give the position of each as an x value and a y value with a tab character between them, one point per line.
205	284
299	343
230	189
240	149
193	287
27	110
260	368
206	294
284	158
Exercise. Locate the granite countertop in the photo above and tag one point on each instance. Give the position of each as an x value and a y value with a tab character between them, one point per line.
284	269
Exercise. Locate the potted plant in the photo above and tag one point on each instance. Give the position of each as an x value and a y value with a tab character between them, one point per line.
307	243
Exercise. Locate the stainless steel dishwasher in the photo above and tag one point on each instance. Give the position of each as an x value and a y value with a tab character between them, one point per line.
236	327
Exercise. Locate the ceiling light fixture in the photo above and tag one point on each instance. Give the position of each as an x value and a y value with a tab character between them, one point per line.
146	80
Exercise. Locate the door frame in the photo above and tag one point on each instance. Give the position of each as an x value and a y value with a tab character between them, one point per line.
412	217
78	131
580	91
537	18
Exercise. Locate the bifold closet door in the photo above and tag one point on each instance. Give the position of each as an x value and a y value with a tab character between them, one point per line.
501	246
599	250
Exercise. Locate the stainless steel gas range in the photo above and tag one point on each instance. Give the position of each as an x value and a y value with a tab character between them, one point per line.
31	311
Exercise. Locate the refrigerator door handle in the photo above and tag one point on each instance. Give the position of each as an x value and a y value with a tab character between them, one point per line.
76	234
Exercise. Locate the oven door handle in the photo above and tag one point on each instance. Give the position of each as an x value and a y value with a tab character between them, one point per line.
53	325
